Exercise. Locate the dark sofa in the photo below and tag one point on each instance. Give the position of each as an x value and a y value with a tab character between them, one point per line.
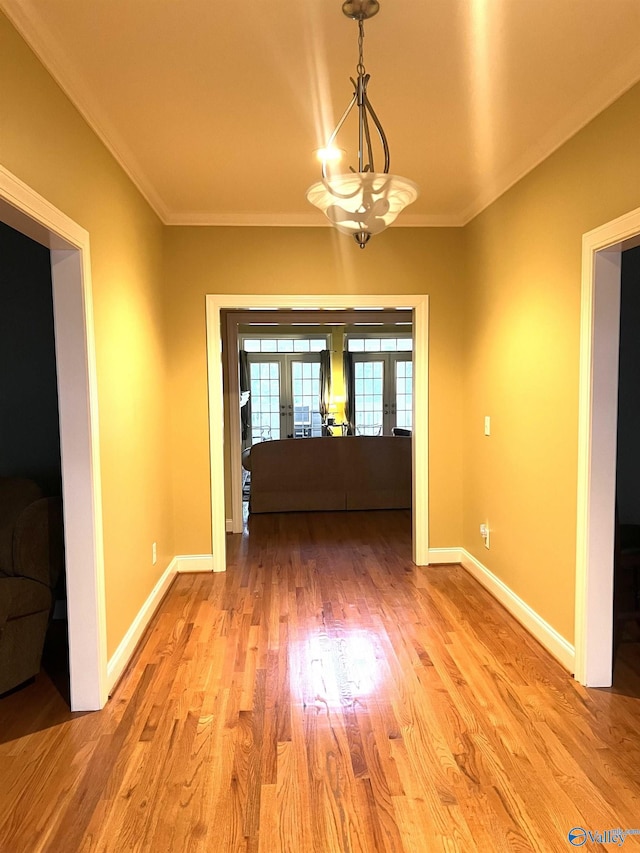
31	559
339	473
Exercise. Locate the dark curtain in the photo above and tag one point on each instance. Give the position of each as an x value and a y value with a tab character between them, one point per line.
325	383
245	385
349	392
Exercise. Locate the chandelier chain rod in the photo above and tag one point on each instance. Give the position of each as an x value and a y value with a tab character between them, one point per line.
360	67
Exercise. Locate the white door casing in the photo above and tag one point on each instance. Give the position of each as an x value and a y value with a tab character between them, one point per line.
598	413
215	304
31	214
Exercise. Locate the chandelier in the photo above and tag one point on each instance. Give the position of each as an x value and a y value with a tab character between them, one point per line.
363	202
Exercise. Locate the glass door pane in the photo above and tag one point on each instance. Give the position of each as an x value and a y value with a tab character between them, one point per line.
404	394
305	384
265	401
369	402
383	392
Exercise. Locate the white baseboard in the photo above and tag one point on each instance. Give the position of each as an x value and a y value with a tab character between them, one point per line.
555	644
444	555
123	654
547	636
196	563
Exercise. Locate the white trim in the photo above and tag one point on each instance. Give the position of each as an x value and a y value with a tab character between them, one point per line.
583	111
419	303
29	23
31	214
197	563
297	219
547	636
444	556
420	436
216	433
235	523
597	420
228	526
129	643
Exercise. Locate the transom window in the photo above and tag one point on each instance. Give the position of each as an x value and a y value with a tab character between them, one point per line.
284	344
381	344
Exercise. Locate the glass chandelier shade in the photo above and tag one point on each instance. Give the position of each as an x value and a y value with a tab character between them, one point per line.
363	202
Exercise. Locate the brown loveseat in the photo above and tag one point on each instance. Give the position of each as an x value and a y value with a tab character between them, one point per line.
31	557
338	473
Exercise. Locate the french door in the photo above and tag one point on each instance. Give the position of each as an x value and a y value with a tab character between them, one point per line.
285	396
383	383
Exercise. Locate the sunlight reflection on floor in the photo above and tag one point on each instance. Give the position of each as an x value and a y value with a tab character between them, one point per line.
339	670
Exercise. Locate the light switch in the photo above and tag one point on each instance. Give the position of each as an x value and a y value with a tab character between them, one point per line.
487	425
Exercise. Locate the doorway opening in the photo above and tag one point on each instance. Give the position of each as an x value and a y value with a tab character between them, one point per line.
30	447
28	213
216	305
598	413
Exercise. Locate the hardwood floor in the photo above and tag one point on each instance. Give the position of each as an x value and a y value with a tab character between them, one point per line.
325	695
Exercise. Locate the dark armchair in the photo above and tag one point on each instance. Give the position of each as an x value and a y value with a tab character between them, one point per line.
31	558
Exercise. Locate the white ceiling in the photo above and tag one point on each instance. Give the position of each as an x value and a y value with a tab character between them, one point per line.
215	108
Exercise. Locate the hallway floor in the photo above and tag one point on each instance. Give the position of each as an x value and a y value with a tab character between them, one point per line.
324	694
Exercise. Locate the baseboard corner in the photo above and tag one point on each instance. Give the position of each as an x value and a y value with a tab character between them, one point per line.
195	563
444	555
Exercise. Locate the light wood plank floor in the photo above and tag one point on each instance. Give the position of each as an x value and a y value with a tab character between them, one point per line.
325	695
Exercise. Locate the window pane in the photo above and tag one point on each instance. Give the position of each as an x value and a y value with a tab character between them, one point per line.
267	345
306	404
251	345
404	394
265	401
405	344
368	397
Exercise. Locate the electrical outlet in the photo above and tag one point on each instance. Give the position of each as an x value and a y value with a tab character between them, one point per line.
487	425
154	553
485	533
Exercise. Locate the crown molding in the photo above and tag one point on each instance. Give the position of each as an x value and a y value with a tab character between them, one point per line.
596	100
43	43
294	220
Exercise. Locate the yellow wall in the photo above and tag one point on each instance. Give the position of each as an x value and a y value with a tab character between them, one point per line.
45	142
310	260
522	351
